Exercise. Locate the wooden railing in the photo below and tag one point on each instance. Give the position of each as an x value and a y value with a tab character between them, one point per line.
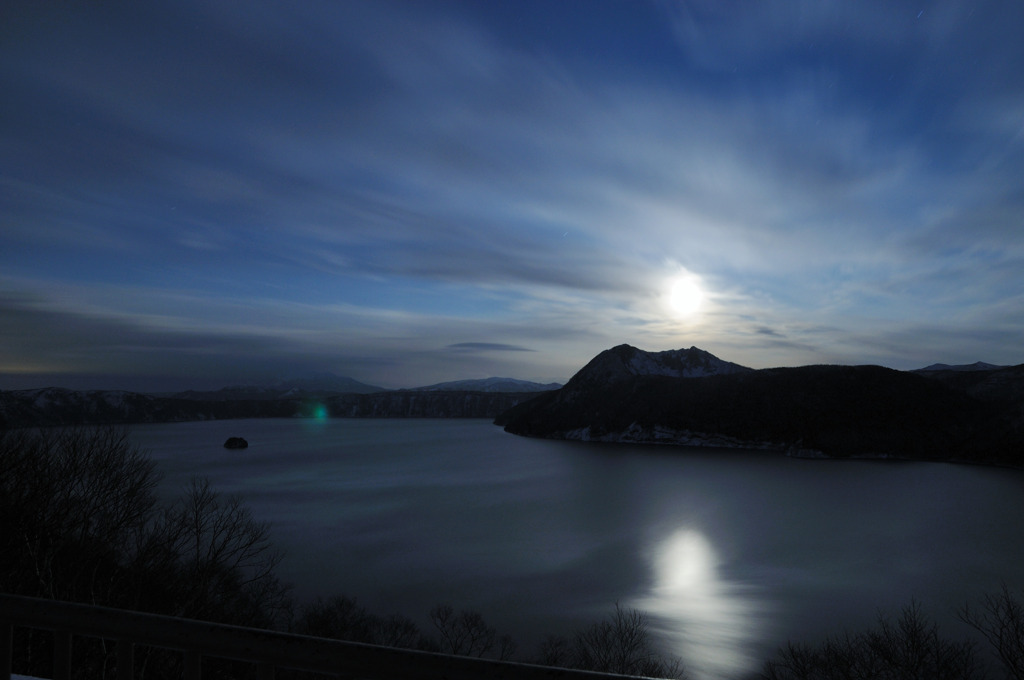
267	650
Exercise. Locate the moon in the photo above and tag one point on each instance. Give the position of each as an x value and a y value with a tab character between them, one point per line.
685	297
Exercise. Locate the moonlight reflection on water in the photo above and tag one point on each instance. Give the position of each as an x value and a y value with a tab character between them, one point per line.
710	621
545	536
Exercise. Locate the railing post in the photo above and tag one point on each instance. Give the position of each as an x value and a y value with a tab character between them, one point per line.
125	659
6	649
193	665
62	655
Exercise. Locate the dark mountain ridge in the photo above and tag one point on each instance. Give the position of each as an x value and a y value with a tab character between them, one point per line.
424	404
976	366
827	411
488	385
311	394
301	386
56	406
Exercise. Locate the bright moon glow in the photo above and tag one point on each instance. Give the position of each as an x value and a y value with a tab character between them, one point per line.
712	621
685	297
687	562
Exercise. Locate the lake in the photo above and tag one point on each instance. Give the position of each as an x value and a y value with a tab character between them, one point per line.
732	553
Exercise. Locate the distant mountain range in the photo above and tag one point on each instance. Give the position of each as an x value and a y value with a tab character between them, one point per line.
319	394
328	384
489	385
967	413
58	406
309	385
976	366
690	397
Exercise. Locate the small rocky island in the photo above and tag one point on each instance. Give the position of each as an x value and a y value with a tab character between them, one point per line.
236	443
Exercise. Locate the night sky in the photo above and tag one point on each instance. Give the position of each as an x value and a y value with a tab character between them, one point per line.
198	194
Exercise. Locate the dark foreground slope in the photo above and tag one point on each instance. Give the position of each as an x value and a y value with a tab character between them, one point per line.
835	411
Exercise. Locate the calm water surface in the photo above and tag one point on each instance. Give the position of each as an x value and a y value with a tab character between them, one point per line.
732	553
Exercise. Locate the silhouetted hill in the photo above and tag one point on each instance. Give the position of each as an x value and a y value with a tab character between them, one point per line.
326	382
998	384
625	362
976	366
308	385
834	411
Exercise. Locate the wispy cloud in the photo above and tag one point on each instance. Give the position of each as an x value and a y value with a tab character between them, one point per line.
487	347
388	178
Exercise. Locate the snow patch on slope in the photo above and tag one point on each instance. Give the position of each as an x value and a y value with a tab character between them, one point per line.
660	434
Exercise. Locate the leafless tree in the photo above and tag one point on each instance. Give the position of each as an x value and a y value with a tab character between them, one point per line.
74	503
464	633
1000	620
622	643
908	649
396	630
554	650
342	618
338	617
225	556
